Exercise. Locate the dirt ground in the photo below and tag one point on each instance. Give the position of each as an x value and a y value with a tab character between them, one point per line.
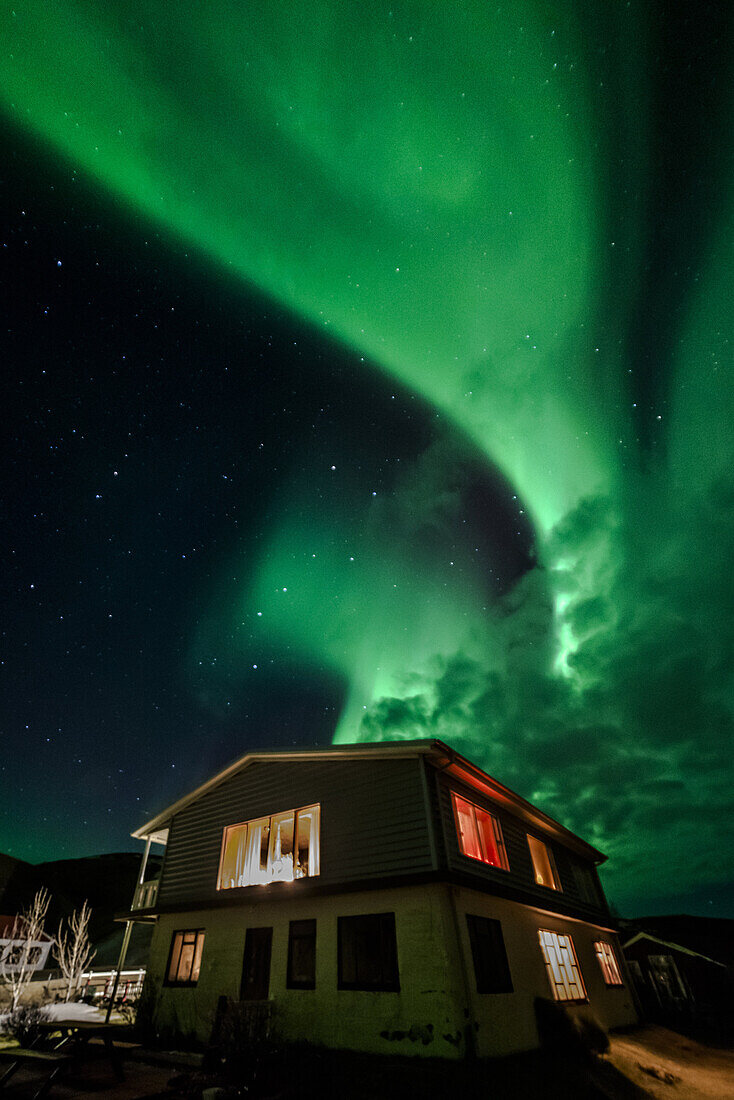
668	1065
650	1062
94	1080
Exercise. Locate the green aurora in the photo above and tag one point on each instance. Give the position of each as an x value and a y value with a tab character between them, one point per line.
465	197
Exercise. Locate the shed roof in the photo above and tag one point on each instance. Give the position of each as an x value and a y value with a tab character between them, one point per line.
439	754
672	946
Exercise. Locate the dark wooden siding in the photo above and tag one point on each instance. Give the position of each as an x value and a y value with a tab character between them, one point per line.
519	882
373	821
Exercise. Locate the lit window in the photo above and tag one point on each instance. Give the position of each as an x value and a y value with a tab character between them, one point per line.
562	966
480	835
280	848
184	963
608	963
543	865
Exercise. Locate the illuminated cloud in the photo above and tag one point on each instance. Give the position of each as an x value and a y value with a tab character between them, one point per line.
463	196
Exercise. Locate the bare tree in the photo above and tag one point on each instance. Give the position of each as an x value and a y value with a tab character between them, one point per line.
74	952
20	957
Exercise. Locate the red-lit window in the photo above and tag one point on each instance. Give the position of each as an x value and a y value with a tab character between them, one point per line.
479	832
608	963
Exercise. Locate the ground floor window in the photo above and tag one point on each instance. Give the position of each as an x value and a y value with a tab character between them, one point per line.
184	962
562	966
491	969
367	952
608	963
301	955
255	984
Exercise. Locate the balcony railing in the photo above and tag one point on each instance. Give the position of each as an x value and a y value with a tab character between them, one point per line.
146	894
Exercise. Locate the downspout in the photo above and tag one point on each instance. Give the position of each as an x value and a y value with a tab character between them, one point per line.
470	1027
470	1045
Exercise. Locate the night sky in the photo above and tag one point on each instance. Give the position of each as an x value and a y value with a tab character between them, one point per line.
367	373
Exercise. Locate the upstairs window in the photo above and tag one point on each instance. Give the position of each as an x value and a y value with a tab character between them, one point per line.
544	866
608	963
184	962
586	885
279	848
562	966
479	832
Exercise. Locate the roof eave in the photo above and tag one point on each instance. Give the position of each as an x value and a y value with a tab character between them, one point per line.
357	751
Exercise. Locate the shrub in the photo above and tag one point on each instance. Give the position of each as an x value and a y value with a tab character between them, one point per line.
23	1022
568	1032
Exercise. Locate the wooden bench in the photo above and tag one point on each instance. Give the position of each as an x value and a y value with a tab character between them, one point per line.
52	1061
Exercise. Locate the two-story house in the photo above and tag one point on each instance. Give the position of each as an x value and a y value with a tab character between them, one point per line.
386	897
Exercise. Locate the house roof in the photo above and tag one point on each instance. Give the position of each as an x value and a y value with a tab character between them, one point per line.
672	946
439	754
6	929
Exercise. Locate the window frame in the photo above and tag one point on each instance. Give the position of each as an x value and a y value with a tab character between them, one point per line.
293	936
561	965
269	818
199	935
608	963
587	884
499	840
389	980
556	884
491	929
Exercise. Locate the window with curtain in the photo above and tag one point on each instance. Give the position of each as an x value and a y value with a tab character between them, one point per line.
544	866
279	848
608	963
184	962
479	833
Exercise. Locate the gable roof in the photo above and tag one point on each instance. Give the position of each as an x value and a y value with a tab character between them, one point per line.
672	946
440	755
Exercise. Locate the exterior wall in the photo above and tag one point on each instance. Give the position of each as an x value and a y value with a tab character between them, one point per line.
42	946
506	1021
425	1017
373	822
437	1002
519	881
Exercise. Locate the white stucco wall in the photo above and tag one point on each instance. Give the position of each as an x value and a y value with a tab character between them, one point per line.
437	999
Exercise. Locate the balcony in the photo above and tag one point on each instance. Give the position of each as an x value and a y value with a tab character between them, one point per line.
146	894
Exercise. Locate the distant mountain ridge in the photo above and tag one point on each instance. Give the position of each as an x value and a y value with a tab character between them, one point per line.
107	882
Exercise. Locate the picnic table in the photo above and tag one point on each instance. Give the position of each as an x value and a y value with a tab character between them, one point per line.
74	1036
52	1061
